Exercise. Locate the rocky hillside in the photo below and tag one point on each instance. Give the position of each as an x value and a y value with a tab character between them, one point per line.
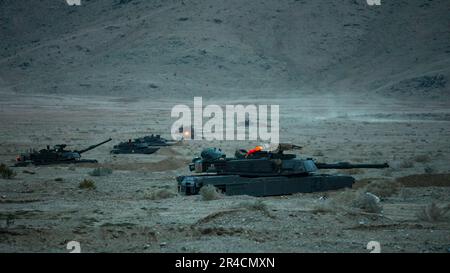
186	47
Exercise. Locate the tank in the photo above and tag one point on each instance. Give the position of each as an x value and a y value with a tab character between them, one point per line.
264	173
56	155
143	145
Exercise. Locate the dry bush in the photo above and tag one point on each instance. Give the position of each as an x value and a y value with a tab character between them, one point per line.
87	184
6	172
257	205
383	188
101	172
209	192
432	213
160	194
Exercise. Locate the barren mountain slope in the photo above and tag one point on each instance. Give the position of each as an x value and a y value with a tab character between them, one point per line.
153	48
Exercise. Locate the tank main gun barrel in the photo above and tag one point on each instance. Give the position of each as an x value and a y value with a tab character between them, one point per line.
93	146
347	165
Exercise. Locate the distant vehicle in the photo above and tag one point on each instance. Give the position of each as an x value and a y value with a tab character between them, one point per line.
55	155
264	173
143	145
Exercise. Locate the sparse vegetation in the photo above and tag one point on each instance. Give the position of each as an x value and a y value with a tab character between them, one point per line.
87	184
257	205
101	172
6	172
209	192
432	213
160	194
383	188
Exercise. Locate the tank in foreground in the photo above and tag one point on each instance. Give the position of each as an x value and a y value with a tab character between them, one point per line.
264	173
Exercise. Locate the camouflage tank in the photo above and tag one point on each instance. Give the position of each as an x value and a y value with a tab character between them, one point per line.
144	145
264	173
55	155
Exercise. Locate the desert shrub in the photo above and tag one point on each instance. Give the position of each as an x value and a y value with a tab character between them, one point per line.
257	205
101	172
432	213
160	194
6	172
209	192
383	188
87	184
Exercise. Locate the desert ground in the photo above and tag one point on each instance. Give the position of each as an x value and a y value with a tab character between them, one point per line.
354	83
136	208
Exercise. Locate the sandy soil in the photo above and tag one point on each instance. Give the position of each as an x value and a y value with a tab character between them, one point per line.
43	208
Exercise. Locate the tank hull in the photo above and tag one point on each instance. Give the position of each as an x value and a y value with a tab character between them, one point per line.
264	186
147	151
54	162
